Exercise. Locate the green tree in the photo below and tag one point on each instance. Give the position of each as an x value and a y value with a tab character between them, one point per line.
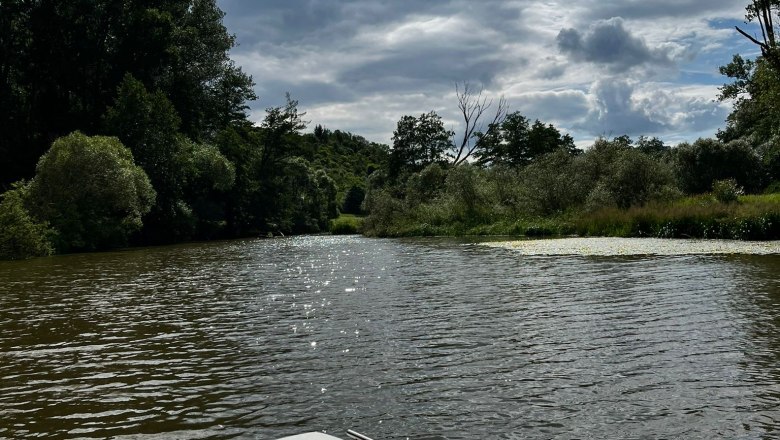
755	89
277	133
21	235
635	178
353	200
466	194
614	172
306	198
62	61
245	204
90	190
418	142
761	11
550	185
147	123
205	86
517	143
17	157
653	147
210	176
700	164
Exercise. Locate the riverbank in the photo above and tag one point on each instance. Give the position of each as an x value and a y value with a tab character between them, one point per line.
752	217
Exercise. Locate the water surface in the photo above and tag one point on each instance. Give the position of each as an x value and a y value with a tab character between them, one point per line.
425	339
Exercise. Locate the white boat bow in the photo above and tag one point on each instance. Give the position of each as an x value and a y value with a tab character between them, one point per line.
320	436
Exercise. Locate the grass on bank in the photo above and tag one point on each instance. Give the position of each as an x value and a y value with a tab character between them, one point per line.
524	227
752	217
346	224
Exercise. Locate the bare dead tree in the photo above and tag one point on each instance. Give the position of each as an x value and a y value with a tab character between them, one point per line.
761	11
473	105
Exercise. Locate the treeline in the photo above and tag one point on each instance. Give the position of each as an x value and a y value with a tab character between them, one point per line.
528	178
125	123
560	192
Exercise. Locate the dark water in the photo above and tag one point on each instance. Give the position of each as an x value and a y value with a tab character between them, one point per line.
396	339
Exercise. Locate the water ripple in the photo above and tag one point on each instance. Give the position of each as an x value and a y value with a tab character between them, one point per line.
428	339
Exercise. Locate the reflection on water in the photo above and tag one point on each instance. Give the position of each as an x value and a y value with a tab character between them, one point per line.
426	339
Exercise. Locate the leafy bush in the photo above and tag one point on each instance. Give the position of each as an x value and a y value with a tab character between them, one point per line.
548	186
21	236
700	164
599	198
386	211
465	194
346	224
726	191
618	175
90	190
426	185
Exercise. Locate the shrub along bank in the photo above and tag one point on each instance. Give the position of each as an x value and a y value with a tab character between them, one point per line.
615	188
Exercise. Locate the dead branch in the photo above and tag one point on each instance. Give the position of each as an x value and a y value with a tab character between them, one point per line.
473	105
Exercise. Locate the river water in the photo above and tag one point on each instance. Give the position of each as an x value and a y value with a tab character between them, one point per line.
418	339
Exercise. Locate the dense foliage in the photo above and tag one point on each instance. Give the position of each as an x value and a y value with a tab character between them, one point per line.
21	235
182	161
445	199
91	192
62	62
586	192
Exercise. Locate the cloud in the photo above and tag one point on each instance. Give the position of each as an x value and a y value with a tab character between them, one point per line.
608	43
628	107
558	107
613	111
359	65
662	9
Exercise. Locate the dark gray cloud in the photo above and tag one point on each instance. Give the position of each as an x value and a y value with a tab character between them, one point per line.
608	43
415	68
323	22
311	92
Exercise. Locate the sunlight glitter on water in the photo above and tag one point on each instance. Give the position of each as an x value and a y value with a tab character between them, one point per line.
612	246
439	339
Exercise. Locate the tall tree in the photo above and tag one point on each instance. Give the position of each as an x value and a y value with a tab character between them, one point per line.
208	90
755	90
761	11
279	126
418	142
62	61
516	142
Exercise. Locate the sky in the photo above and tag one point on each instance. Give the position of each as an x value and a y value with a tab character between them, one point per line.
590	67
